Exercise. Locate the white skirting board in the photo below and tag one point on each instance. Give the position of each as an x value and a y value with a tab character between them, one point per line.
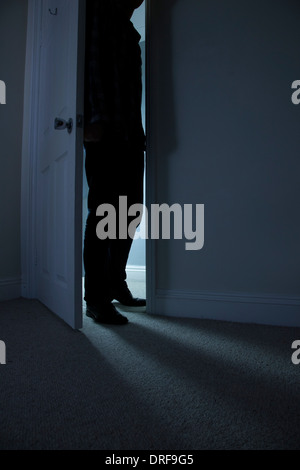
235	307
136	273
10	289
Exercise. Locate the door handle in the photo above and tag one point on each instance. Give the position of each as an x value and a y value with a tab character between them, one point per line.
61	124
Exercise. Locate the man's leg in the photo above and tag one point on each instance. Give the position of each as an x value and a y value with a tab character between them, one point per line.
96	254
96	264
130	184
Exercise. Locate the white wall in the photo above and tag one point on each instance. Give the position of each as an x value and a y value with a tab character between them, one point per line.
223	132
13	20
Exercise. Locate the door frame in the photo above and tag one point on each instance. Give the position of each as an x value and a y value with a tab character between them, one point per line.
29	160
150	171
29	152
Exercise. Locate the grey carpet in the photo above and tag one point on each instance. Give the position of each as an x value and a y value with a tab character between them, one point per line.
154	384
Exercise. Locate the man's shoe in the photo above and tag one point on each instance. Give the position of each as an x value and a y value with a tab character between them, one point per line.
123	295
106	313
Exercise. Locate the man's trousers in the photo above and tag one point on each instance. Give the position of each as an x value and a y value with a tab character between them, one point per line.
113	169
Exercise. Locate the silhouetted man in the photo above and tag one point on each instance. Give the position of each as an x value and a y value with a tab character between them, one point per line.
114	145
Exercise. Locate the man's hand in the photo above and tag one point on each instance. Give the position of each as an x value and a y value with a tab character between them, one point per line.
93	132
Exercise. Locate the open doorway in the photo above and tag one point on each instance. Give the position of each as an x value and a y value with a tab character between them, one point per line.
136	266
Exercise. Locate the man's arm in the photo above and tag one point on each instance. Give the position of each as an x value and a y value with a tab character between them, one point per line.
98	70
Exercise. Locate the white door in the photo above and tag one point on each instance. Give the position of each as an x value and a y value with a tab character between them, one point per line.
59	161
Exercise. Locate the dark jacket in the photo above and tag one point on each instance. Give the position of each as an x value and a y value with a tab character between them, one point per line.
113	72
